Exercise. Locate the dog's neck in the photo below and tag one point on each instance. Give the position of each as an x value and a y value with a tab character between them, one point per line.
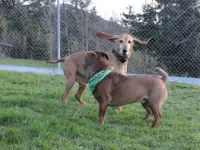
122	59
98	77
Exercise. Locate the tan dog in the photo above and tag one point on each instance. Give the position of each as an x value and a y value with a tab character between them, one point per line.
117	90
73	64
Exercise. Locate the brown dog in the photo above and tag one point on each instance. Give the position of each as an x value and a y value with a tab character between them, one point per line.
116	89
74	71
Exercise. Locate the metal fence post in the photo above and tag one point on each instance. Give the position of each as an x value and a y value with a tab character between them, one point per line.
58	32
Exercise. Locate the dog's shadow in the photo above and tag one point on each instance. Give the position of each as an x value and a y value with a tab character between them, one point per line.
128	117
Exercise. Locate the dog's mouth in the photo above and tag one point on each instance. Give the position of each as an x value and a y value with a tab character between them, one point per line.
121	57
124	55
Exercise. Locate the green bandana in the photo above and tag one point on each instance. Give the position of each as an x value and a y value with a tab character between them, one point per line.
98	77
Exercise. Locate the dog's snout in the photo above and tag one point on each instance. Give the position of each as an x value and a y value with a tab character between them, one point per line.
124	50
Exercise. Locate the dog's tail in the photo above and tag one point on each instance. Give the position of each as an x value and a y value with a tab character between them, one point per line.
162	73
56	61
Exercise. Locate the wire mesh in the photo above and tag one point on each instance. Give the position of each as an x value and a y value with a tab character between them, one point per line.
28	31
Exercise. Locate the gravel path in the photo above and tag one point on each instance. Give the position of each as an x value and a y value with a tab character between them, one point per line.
54	71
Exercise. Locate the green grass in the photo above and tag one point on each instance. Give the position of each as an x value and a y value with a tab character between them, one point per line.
26	62
33	117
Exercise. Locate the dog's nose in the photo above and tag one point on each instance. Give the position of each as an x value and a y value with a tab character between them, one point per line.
124	50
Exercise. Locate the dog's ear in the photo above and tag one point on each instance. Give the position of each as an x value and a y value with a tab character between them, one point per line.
105	36
102	54
89	59
139	42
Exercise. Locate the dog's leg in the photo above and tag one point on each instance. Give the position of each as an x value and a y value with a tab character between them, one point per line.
149	112
123	71
160	115
157	115
79	93
102	111
145	105
69	85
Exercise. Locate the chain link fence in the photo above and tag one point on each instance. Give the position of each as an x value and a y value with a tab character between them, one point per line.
28	32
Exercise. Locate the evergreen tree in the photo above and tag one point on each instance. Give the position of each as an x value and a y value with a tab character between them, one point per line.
174	26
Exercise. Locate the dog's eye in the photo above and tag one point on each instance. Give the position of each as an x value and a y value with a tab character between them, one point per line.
120	41
129	41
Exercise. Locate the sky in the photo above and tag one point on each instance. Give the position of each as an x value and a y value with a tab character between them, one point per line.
113	8
108	8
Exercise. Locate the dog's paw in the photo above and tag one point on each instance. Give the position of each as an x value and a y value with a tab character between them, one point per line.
83	102
119	108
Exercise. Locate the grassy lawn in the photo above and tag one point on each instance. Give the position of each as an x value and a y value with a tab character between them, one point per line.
26	62
33	117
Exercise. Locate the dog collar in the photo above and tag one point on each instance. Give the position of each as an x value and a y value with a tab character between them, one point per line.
122	59
98	77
